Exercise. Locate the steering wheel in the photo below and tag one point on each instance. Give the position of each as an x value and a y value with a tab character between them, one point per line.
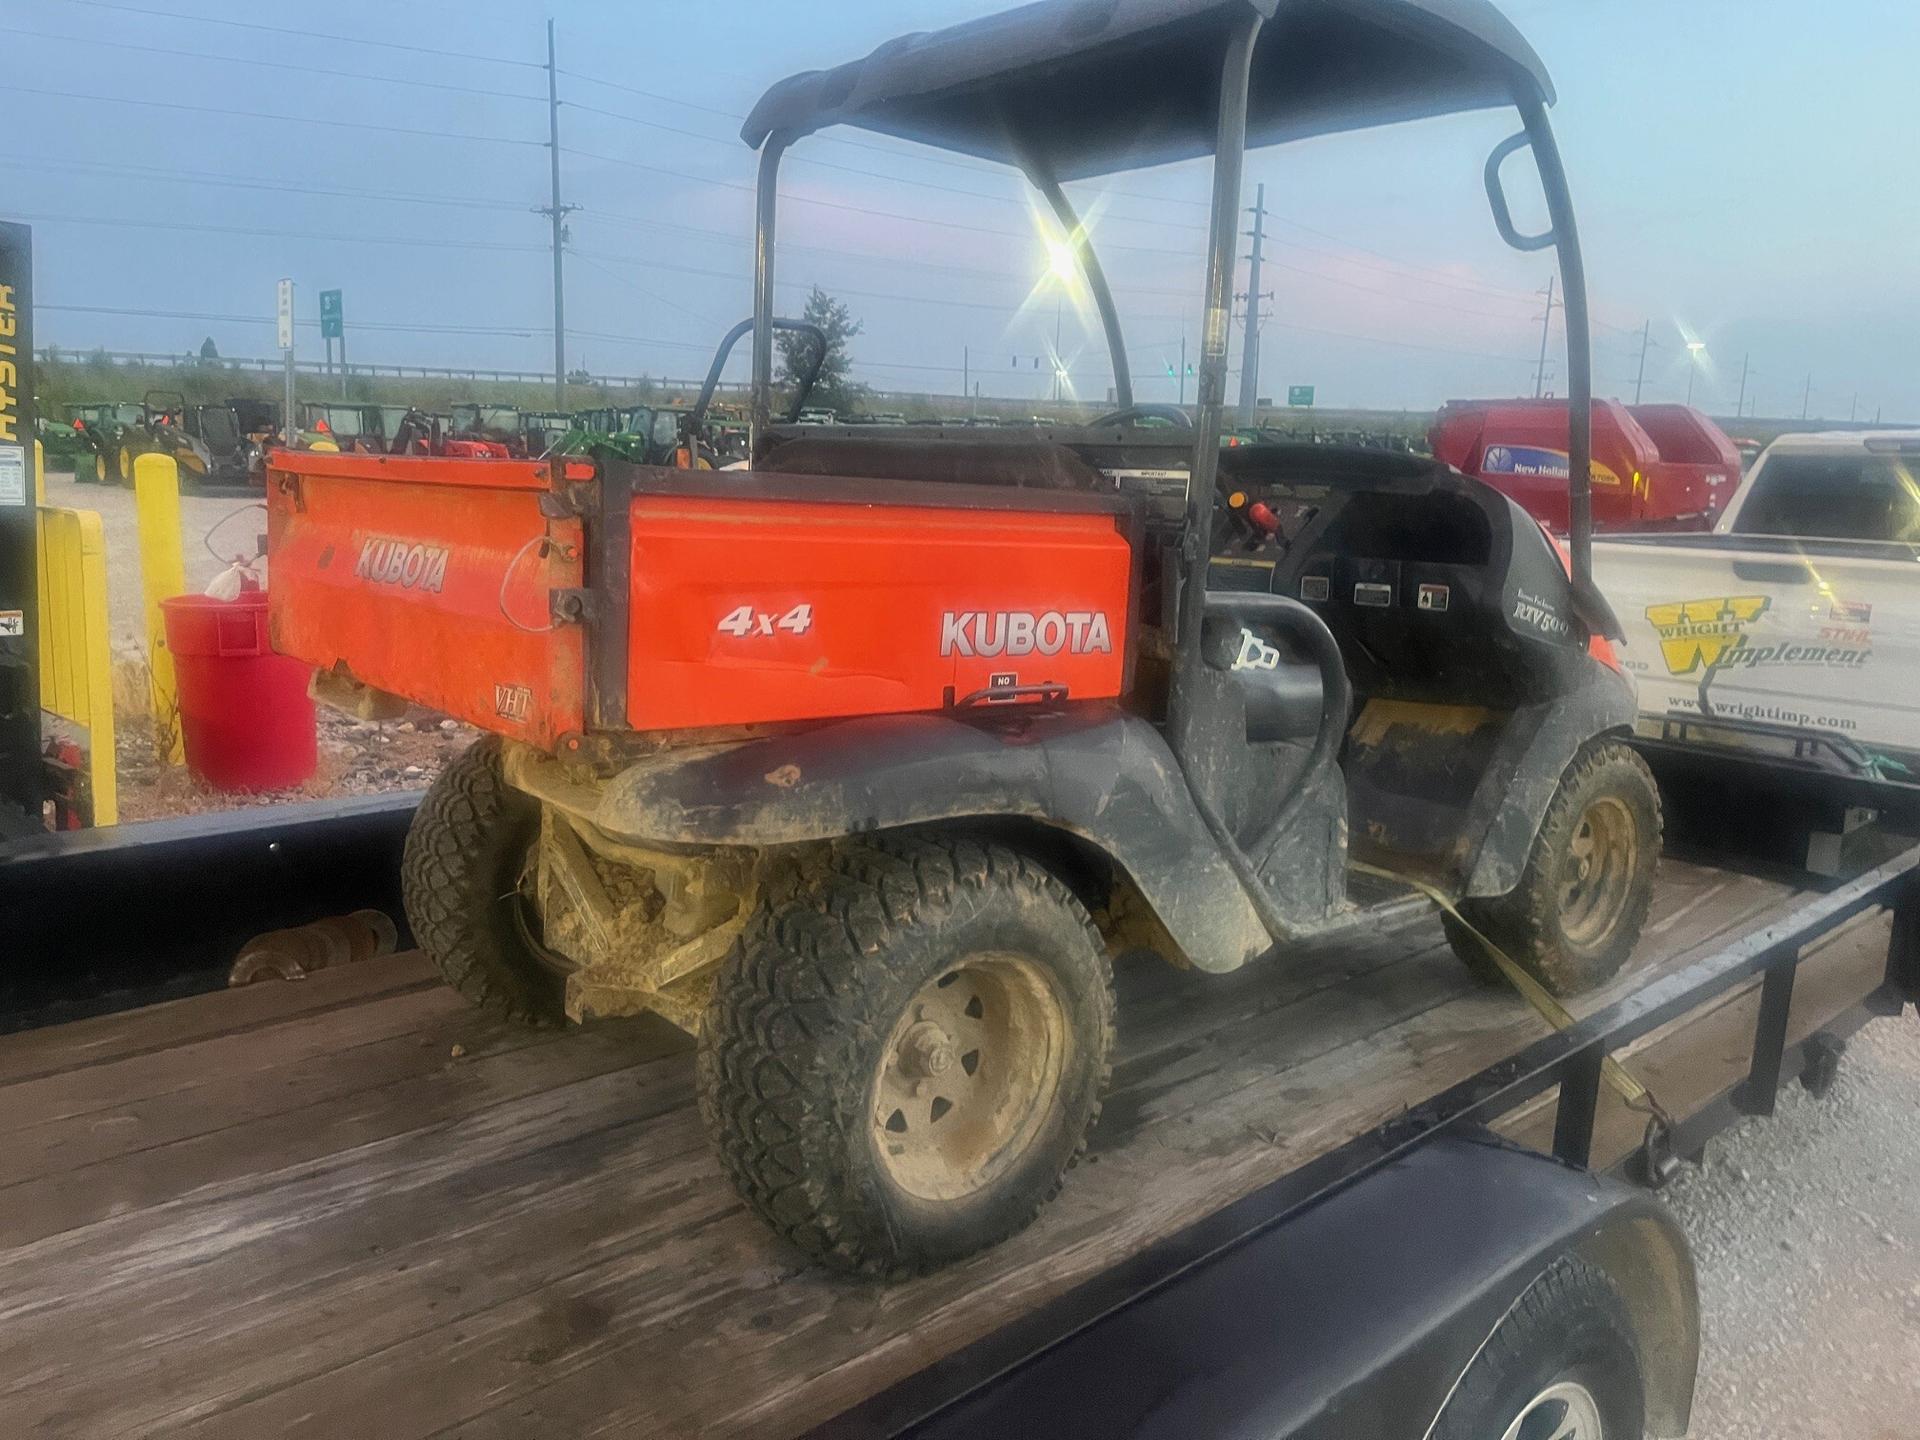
1172	414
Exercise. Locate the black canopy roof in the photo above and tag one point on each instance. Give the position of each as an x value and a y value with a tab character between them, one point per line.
1091	87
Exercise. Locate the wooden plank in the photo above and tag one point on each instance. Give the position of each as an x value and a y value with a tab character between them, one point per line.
34	1053
534	1239
222	1060
157	1150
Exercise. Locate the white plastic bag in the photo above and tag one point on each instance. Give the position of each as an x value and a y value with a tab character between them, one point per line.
230	582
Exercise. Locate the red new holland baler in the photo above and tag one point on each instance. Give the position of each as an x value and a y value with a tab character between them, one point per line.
1655	467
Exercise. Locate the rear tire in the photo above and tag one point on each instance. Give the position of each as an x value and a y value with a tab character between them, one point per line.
1563	1362
1576	915
460	879
901	1061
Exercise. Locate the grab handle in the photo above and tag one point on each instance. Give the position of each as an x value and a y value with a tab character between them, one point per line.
1497	198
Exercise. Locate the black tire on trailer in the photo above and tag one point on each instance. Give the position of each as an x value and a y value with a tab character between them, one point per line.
460	878
901	1061
1563	1362
1577	913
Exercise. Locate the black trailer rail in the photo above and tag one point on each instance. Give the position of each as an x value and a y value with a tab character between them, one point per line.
1568	1061
127	915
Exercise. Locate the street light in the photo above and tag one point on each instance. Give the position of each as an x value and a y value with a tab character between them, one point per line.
1694	347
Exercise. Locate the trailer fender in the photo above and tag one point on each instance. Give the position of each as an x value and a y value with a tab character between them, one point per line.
1357	1316
1094	772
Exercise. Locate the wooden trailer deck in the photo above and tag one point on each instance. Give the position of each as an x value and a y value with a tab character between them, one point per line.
351	1206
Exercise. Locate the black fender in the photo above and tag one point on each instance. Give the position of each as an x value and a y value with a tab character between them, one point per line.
1355	1317
1094	771
1539	743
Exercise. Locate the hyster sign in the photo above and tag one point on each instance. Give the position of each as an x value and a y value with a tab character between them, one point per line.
22	784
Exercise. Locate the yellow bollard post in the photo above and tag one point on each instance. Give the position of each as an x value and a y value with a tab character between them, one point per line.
39	473
163	574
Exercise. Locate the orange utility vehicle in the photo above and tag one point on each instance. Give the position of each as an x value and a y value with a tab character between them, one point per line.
858	764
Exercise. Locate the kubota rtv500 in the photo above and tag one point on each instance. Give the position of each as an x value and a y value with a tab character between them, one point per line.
858	764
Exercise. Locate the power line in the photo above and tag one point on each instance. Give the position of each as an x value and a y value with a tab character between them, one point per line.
1401	265
1003	309
251	62
401	327
267	115
203	177
592	263
279	234
1109	245
435	51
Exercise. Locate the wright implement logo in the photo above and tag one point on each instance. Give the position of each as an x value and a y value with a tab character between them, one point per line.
399	562
1713	635
1696	634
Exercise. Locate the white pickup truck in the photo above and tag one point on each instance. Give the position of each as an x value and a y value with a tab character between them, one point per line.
1791	633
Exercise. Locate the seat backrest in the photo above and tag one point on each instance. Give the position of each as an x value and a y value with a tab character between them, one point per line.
1038	464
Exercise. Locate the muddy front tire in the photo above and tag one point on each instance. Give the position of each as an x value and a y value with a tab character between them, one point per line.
460	878
1577	913
901	1061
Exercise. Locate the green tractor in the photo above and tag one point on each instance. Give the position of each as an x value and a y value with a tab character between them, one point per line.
102	429
642	434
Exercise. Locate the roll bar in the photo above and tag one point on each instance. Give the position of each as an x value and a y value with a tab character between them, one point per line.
1563	237
732	338
1049	188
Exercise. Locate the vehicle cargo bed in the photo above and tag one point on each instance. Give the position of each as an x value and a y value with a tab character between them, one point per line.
352	1205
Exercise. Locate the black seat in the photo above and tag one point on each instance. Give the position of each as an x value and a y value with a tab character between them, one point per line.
1035	464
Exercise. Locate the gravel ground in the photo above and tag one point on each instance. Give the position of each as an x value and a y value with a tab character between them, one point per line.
355	758
1806	1231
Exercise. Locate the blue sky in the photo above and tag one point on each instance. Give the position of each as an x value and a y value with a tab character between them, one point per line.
1742	171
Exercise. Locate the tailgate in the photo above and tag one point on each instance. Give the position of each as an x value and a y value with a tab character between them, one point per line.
429	578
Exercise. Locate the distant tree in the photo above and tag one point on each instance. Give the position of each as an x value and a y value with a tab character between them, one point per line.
209	352
835	386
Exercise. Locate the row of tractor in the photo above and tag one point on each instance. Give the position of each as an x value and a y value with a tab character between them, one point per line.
213	444
225	444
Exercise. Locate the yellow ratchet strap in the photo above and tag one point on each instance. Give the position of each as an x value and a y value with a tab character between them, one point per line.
1637	1096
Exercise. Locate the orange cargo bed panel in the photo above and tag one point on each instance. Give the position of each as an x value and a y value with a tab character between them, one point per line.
428	578
762	610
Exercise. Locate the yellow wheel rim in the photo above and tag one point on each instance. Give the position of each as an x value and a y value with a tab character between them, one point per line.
969	1076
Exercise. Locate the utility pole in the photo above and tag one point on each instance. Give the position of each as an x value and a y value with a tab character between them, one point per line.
1853	412
1546	322
1183	368
1059	304
966	376
1806	397
558	214
1646	343
289	417
1250	347
1745	361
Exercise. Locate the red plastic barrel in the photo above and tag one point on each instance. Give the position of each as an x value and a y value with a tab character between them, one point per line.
244	711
